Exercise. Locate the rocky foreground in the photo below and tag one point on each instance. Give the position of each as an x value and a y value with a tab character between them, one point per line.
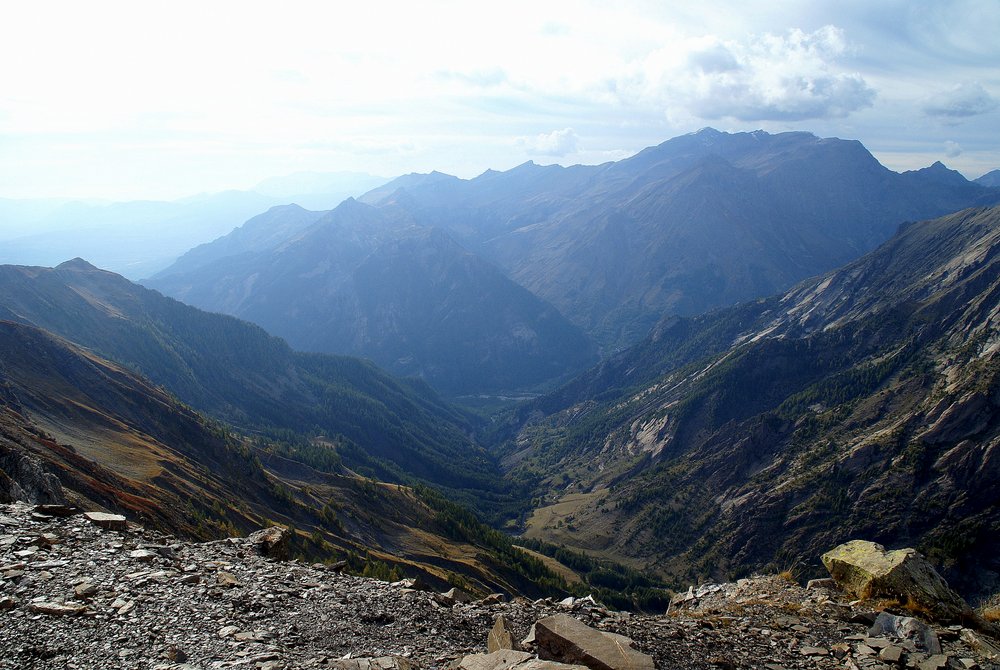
74	594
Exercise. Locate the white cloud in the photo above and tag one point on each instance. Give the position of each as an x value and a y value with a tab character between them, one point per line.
966	99
952	149
789	77
558	143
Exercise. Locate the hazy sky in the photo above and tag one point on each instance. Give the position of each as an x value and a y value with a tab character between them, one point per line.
164	99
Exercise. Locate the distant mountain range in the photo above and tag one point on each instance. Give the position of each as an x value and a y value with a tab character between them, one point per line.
139	238
699	222
367	282
864	403
990	179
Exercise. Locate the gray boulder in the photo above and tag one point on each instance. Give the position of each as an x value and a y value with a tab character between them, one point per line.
867	570
271	542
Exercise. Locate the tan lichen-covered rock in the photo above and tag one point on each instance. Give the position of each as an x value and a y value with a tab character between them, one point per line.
867	570
501	636
562	638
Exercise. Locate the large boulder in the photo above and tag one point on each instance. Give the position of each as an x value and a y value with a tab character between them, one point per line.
564	639
271	542
867	570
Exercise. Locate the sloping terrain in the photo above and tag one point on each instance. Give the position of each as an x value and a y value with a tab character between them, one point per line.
864	403
76	427
237	373
367	283
222	605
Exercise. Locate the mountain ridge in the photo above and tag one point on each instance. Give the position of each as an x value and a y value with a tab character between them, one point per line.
862	403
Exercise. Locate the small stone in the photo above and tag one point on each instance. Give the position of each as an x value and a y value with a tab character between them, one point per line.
143	555
824	583
126	608
175	654
813	651
968	663
228	631
85	590
840	650
935	662
227	579
891	654
57	510
57	609
863	649
7	603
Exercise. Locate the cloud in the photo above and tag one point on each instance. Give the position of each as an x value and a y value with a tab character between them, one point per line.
789	77
558	143
963	100
952	149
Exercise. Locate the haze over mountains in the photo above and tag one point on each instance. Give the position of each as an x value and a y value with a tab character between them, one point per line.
698	222
791	351
137	239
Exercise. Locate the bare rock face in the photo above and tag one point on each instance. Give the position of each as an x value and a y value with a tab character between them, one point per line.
271	542
23	477
867	570
564	639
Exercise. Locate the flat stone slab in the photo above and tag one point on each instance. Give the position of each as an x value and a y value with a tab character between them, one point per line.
107	521
564	639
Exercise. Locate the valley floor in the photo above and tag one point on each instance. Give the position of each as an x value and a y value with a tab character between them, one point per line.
73	595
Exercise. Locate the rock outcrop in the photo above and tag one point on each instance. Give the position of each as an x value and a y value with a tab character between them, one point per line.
271	542
867	570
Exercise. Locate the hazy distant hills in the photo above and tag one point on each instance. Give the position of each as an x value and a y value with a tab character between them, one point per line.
139	238
698	222
863	403
235	371
367	282
990	179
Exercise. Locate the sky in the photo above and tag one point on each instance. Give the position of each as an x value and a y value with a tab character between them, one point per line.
129	100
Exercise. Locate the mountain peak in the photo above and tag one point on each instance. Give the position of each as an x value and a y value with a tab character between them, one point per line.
77	265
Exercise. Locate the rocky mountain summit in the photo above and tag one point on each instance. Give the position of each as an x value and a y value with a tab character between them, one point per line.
92	591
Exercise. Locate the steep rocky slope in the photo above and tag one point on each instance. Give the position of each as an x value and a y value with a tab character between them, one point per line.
864	403
73	595
76	428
